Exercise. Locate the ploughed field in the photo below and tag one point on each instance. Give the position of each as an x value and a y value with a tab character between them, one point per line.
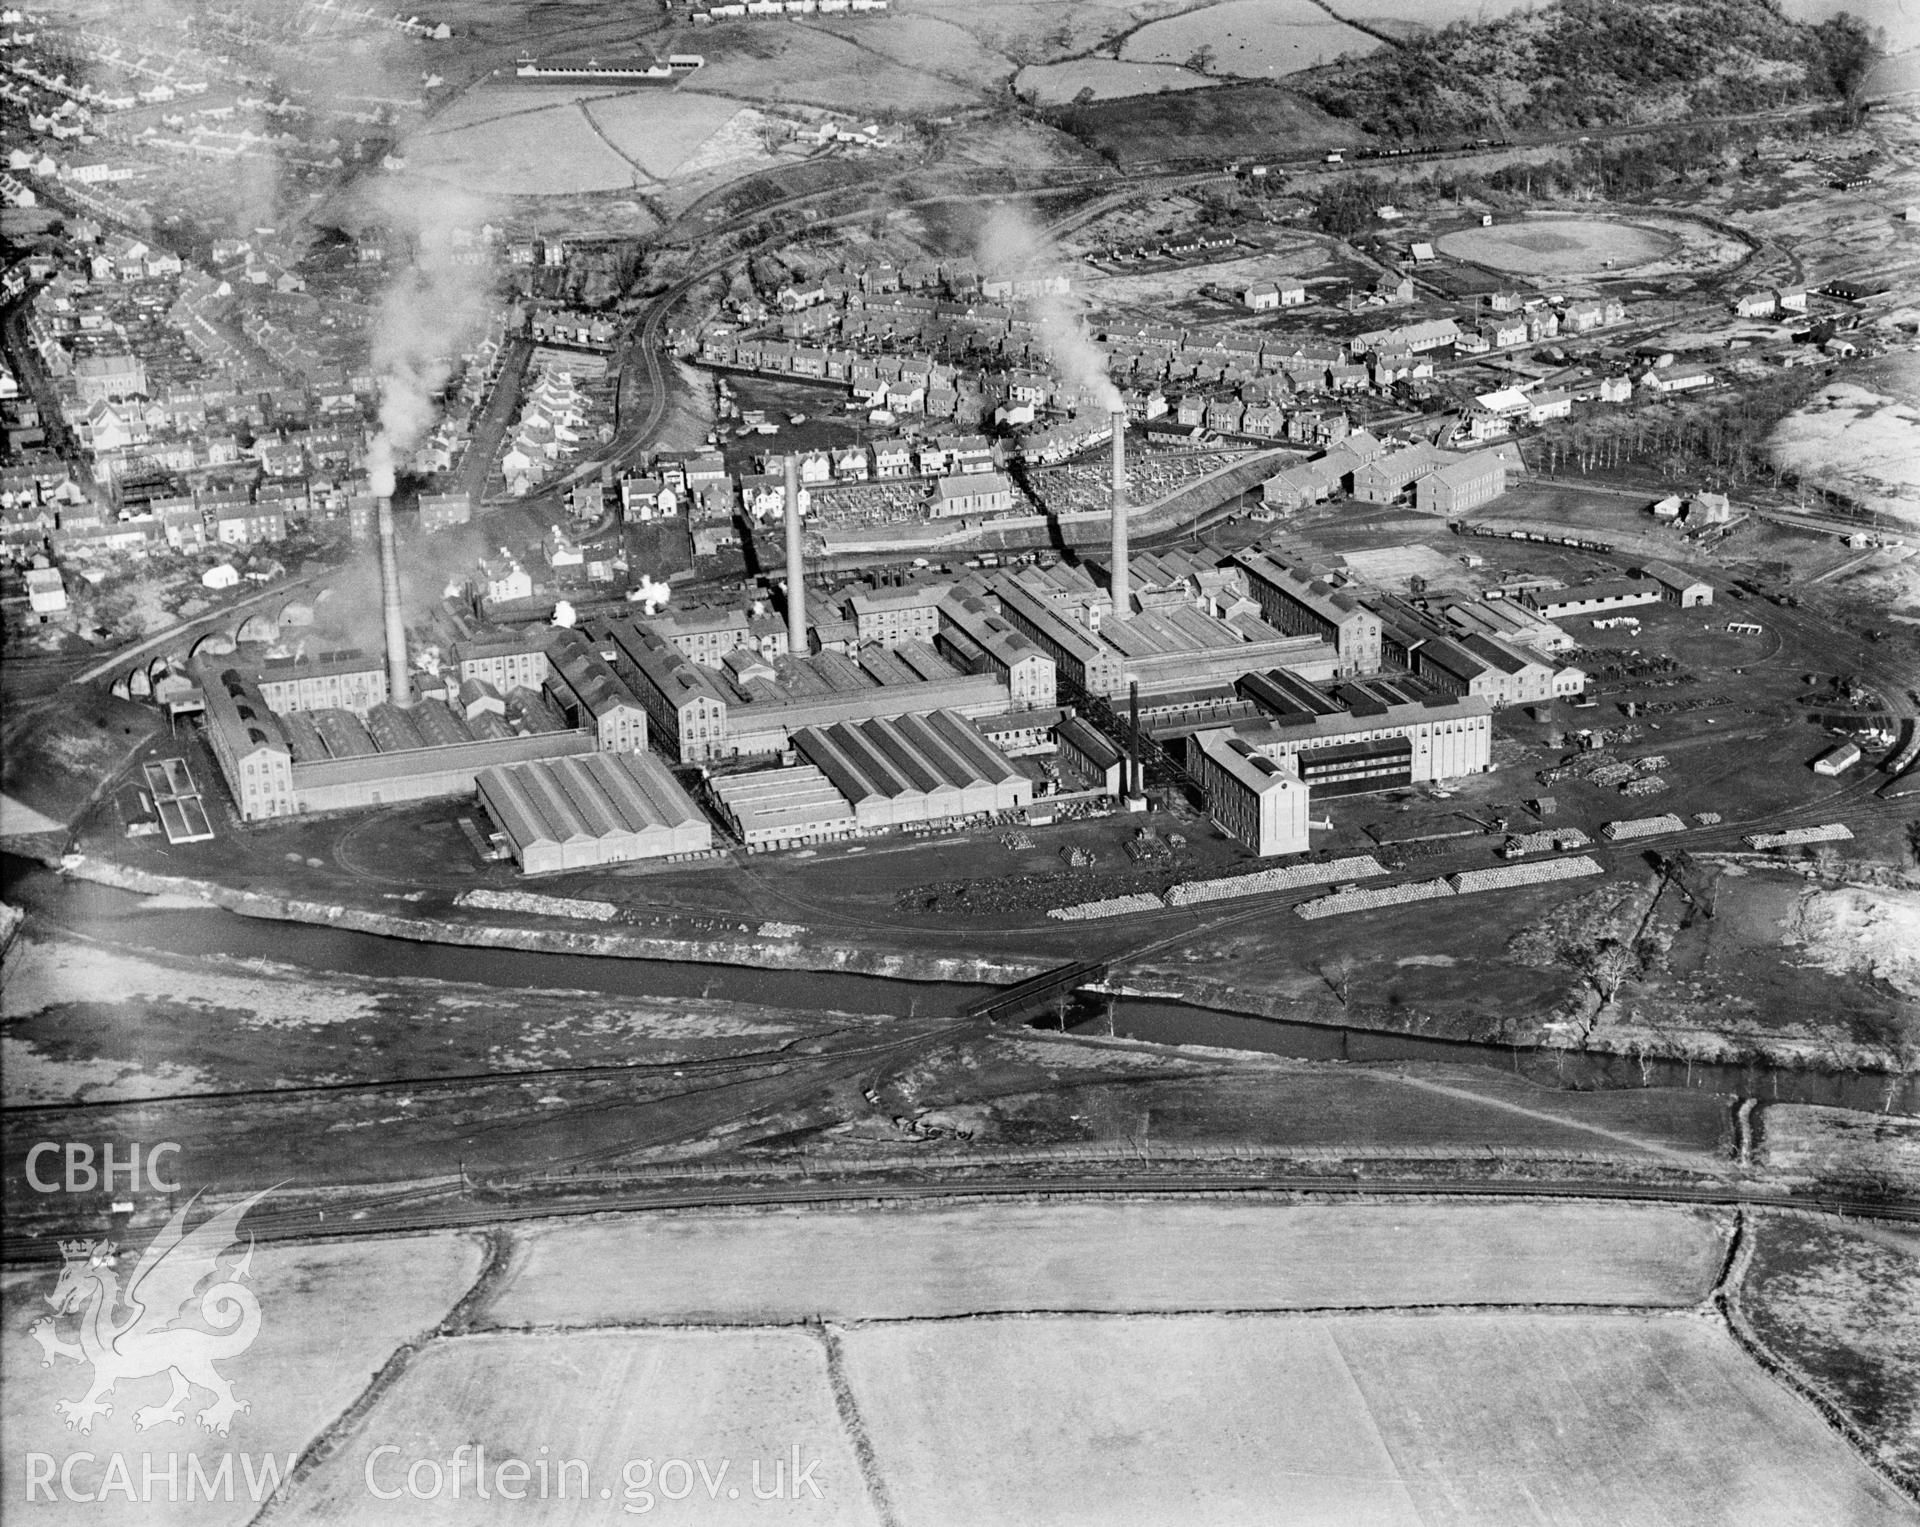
1111	1362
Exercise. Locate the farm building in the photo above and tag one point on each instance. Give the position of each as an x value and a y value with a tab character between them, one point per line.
1677	587
1259	801
600	808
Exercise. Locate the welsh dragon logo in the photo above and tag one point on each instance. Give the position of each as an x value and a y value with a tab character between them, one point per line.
158	1322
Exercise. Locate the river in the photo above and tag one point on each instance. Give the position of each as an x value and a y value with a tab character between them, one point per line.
121	917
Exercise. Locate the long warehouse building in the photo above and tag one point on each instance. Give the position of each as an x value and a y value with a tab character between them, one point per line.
600	808
915	769
869	776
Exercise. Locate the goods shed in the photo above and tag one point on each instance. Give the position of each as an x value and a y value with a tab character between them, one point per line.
592	809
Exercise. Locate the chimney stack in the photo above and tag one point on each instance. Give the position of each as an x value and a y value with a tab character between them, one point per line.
796	567
399	684
1120	575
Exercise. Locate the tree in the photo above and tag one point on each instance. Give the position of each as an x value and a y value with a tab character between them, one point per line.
1337	972
1608	968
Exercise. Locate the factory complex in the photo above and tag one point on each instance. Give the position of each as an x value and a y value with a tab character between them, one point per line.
902	702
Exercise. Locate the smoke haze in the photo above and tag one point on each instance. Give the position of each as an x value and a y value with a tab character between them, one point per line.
1011	243
427	314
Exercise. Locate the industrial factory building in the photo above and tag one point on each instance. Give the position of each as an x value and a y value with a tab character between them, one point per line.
870	776
977	639
599	808
347	679
1256	800
1509	621
751	705
894	773
1677	587
333	760
1592	598
1292	602
1366	735
1171	649
779	808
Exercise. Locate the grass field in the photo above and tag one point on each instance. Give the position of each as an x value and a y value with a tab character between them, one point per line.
657	129
925	1263
1057	84
1428	13
1458	1420
1248	39
1464	1107
1862	441
1839	1144
1558	247
1027	33
794	62
1225	123
552	151
605	1399
934	45
1836	1304
330	1317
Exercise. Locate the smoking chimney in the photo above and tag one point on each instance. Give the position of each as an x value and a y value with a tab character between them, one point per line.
399	686
796	568
1120	575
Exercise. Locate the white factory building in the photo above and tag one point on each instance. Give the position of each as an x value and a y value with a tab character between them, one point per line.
1258	801
592	809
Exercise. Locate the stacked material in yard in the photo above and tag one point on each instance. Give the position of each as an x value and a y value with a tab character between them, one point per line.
1113	906
1365	900
1793	837
1646	784
1707	818
1469	882
1290	878
539	906
1642	827
1554	840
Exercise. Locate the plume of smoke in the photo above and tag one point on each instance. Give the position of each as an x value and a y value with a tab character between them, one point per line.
1010	242
429	310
